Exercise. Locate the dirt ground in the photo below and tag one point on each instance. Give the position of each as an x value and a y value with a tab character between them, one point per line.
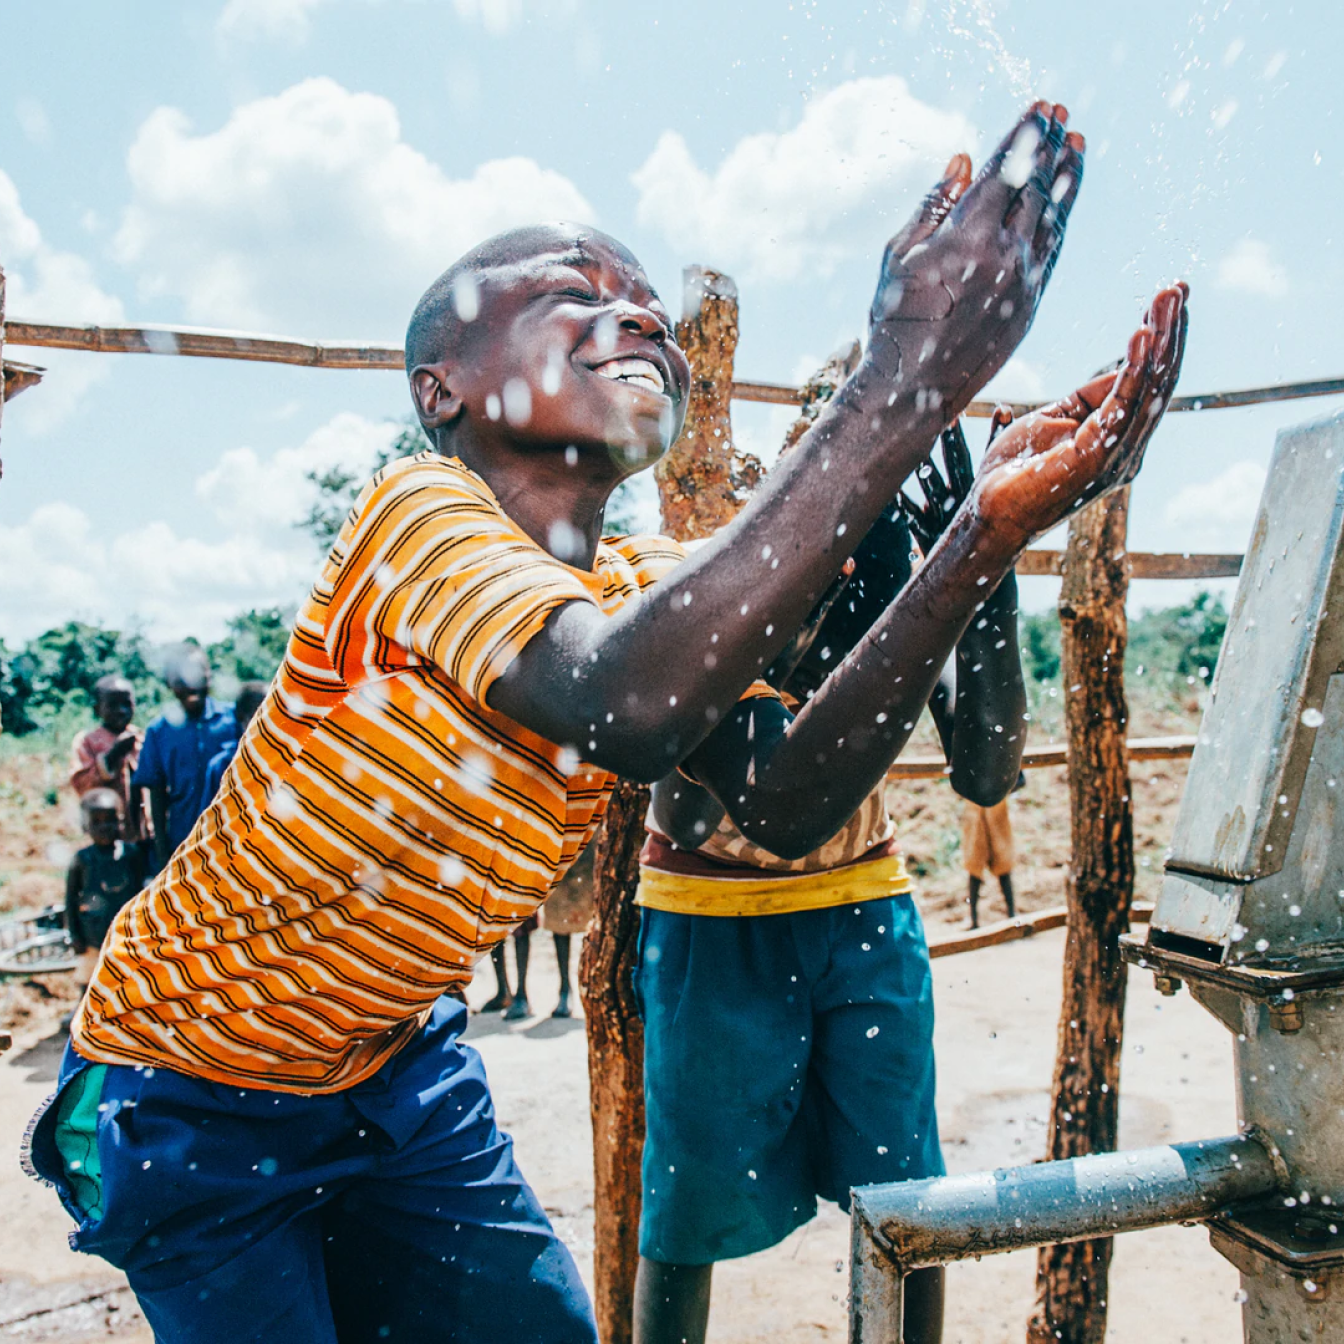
996	1035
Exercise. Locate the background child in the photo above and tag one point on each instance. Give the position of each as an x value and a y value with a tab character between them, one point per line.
105	757
178	748
567	912
987	843
250	696
102	877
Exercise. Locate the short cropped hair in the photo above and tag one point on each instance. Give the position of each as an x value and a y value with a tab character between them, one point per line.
101	800
112	684
437	321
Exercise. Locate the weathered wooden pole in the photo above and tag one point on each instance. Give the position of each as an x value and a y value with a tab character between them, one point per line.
701	484
1071	1281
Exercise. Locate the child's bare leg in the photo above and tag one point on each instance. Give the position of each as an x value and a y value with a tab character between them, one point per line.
501	998
671	1302
1006	886
562	1008
923	1317
520	1008
973	895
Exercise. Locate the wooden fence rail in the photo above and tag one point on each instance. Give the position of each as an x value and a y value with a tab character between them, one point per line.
1037	758
205	344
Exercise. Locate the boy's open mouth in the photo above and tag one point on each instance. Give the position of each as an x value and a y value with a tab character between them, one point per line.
637	372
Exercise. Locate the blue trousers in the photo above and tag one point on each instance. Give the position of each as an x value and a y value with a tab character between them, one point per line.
389	1211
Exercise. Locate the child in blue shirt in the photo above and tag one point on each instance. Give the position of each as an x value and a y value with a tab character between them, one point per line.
179	746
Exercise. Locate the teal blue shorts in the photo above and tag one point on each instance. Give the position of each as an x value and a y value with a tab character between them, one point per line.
786	1058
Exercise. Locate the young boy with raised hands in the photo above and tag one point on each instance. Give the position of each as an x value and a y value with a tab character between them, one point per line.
293	1141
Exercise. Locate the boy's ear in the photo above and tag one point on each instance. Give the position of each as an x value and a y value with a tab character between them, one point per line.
435	401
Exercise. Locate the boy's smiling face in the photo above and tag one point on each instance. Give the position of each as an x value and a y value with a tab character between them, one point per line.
569	346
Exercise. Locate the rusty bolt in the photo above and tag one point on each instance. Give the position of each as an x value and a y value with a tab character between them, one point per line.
1285	1015
1166	985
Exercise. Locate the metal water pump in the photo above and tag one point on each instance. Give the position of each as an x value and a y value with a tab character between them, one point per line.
1251	919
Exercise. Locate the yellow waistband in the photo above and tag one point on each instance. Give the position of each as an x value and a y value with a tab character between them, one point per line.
778	894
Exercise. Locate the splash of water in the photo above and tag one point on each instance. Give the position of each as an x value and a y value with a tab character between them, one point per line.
976	21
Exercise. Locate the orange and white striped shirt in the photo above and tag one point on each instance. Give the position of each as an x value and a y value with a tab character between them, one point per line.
379	826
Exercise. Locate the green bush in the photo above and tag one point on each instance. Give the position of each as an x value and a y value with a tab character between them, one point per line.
47	685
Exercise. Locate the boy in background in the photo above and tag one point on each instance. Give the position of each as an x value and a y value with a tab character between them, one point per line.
811	976
105	757
178	748
102	877
987	843
250	696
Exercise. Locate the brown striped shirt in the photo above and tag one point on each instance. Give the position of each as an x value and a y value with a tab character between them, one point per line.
379	826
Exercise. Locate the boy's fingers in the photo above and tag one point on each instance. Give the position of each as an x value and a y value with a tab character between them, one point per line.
991	191
999	420
1082	401
934	208
957	460
1064	190
935	491
1024	214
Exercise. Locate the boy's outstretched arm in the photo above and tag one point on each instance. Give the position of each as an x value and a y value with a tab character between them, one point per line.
959	285
980	707
791	783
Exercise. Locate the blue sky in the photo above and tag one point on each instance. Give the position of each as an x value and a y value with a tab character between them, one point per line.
307	166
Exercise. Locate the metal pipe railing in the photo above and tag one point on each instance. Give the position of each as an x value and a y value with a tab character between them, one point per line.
917	1224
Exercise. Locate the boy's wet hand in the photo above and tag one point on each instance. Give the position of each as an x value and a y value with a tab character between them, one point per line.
1049	463
960	284
943	493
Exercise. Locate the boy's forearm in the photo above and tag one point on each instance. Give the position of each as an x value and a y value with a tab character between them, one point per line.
637	692
990	714
805	786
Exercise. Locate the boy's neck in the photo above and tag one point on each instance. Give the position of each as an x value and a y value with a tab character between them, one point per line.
559	505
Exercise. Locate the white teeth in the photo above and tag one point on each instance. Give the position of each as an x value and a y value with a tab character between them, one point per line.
641	372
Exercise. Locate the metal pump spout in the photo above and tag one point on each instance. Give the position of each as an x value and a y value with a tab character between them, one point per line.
907	1226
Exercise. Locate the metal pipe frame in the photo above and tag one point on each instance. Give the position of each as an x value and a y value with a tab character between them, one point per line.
915	1224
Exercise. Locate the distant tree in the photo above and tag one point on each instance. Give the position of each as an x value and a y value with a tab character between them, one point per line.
338	488
1041	645
1179	642
55	673
254	646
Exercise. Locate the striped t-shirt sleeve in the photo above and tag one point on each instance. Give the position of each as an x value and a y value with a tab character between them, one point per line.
434	568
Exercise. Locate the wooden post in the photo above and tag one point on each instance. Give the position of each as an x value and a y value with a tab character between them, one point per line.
703	482
701	485
615	1061
1071	1281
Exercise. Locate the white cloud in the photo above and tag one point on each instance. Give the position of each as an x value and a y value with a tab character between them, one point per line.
175	585
250	494
1217	515
308	211
286	20
1250	268
780	203
42	283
